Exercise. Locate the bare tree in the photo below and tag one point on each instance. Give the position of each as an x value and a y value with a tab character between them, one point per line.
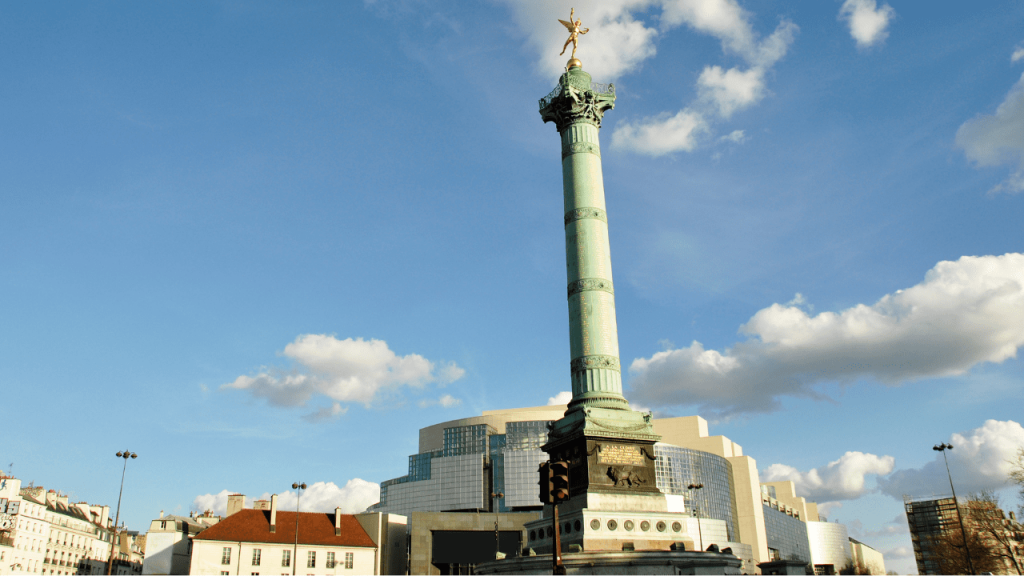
1017	477
950	553
1003	537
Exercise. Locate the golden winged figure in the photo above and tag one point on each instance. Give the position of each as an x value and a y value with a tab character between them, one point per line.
574	32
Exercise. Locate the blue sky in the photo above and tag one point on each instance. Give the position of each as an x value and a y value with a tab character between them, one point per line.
260	243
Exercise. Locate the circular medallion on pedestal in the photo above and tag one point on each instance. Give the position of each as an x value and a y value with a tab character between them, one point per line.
628	524
676	526
645	525
576	526
595	524
568	527
661	526
549	532
533	535
612	524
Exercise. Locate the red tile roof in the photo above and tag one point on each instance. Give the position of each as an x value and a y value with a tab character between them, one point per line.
315	528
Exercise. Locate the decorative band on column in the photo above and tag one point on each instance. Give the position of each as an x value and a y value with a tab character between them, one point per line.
594	361
590	284
581	213
581	147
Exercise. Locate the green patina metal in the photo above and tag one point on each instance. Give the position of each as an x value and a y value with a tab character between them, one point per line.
598	408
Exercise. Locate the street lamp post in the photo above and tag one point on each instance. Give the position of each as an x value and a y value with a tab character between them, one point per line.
696	512
942	448
494	499
126	455
298	487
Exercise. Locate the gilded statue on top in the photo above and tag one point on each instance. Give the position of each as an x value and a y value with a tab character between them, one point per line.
574	33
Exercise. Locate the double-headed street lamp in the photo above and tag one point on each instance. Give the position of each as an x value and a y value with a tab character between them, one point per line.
126	455
696	512
298	487
942	448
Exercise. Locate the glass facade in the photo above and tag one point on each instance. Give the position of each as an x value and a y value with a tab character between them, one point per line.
460	440
676	468
787	536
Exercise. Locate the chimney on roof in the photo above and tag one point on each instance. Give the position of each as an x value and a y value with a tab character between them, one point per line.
51	497
63	499
273	513
337	521
236	502
161	513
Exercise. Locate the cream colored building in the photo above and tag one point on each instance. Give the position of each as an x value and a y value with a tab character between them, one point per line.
866	559
169	542
42	532
263	541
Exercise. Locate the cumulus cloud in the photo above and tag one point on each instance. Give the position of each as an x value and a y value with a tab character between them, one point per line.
1018	54
619	42
868	22
331	412
350	370
216	503
964	313
563	397
997	139
446	401
825	509
978	461
842	479
736	136
354	497
661	134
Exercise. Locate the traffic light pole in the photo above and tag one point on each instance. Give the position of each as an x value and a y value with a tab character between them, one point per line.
556	552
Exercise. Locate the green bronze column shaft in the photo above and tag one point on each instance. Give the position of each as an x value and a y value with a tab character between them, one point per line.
577	108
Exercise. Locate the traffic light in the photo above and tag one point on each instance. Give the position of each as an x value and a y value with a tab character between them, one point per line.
545	483
559	484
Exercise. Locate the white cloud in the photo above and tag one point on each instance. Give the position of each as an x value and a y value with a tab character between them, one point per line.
842	479
992	140
1018	54
978	461
825	509
662	134
736	136
563	397
331	412
216	503
446	401
730	90
868	22
898	553
618	43
350	370
964	313
356	496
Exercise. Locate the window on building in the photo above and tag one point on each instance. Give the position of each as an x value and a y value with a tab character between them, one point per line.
225	555
330	559
349	557
256	557
286	558
163	525
311	559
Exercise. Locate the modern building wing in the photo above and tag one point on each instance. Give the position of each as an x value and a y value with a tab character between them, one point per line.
462	462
